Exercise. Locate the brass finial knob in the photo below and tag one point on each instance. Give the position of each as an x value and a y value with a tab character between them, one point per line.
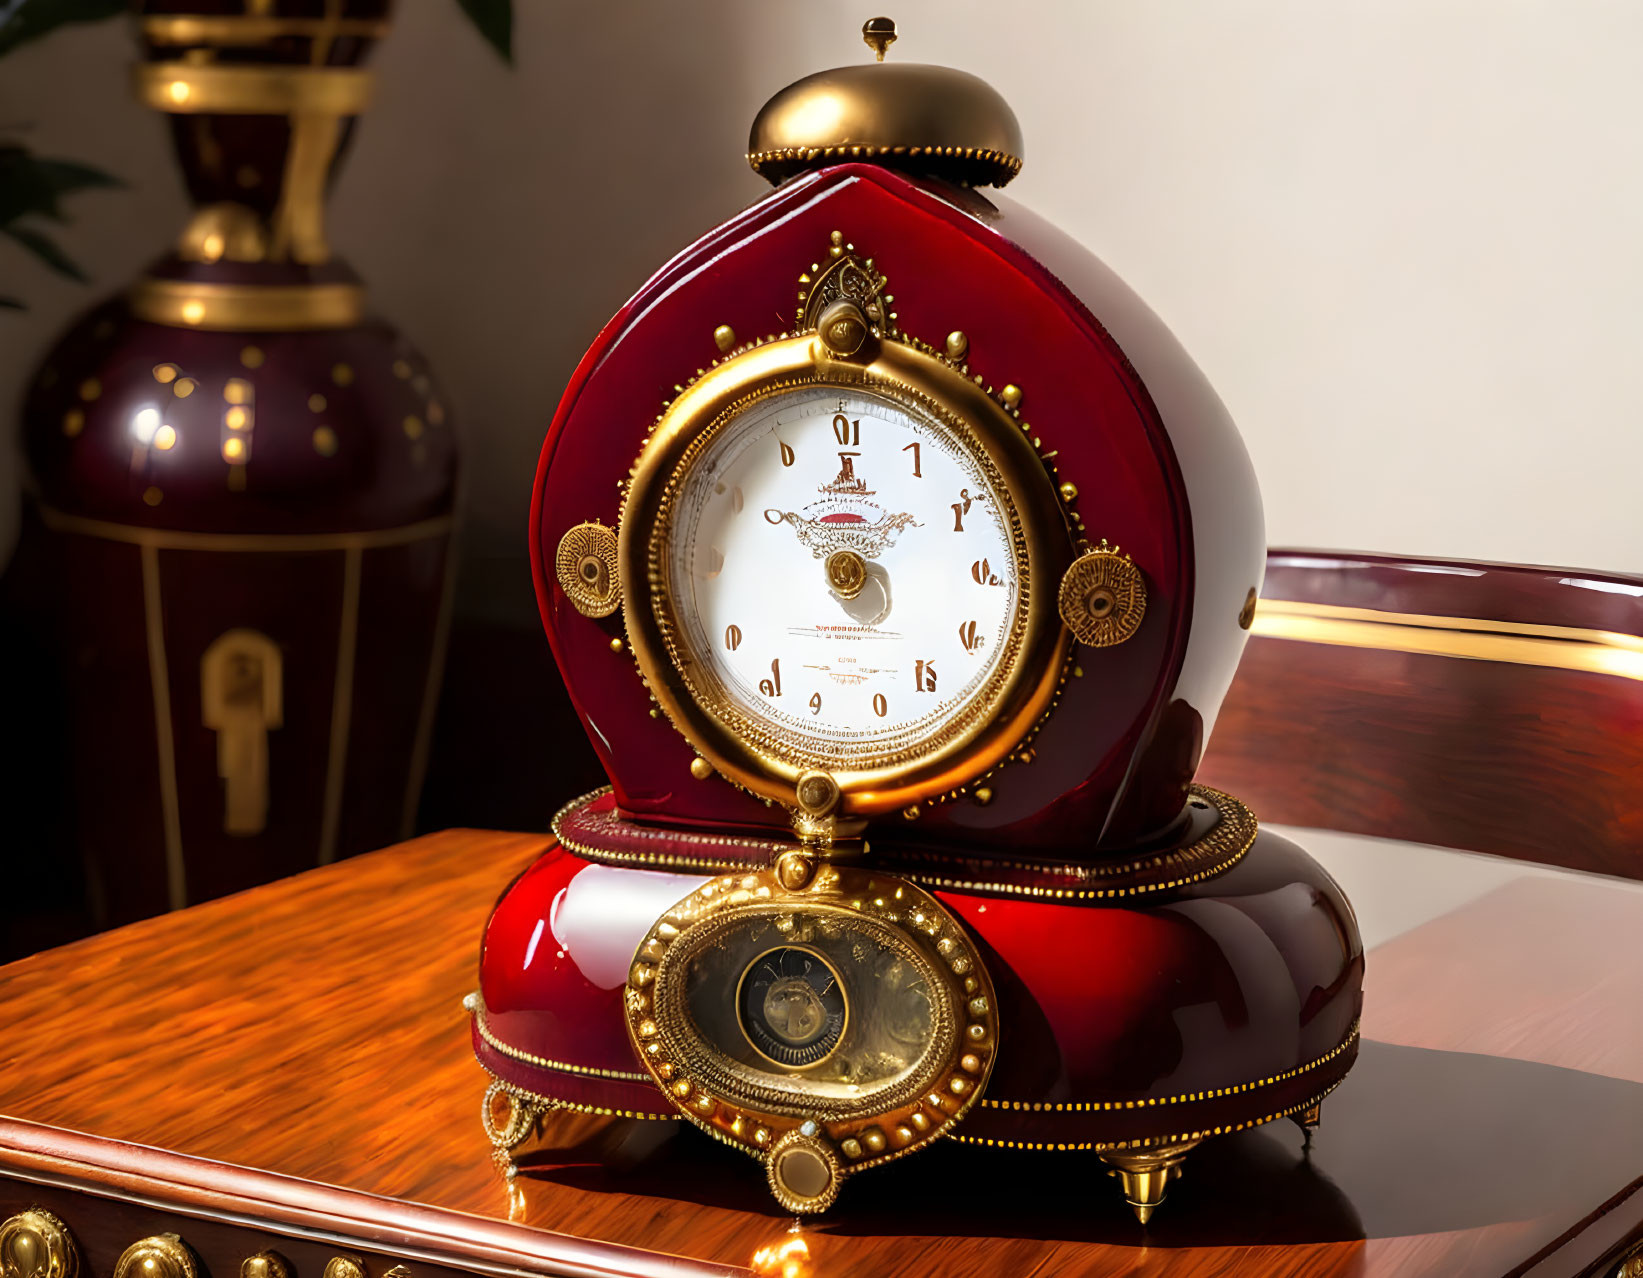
880	34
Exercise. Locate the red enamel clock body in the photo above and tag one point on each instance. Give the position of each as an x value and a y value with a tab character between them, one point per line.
1157	970
1159	469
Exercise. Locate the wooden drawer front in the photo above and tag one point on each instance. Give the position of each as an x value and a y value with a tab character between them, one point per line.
112	1236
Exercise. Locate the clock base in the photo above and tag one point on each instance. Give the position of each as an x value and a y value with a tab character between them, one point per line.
1132	1026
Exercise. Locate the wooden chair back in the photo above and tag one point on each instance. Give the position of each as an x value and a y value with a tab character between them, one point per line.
1489	707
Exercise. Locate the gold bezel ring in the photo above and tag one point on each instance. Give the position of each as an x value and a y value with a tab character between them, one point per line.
761	757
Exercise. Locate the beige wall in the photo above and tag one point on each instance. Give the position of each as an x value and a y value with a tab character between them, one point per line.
1402	237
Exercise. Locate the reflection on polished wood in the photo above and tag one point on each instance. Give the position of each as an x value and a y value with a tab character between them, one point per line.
310	1034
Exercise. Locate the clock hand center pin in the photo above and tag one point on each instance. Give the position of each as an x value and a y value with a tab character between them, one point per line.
846	573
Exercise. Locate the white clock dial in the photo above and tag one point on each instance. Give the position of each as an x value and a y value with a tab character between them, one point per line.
931	580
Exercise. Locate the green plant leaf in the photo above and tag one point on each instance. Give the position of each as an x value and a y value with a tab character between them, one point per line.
494	18
31	184
25	20
45	248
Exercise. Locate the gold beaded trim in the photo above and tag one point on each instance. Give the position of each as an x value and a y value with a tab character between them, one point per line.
1222	847
520	1093
1144	1142
667	860
1010	164
1085	1107
475	1005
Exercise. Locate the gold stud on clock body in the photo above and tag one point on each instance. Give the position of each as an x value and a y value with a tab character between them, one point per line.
1102	598
585	565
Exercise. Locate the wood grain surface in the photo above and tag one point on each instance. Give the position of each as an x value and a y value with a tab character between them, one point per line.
311	1033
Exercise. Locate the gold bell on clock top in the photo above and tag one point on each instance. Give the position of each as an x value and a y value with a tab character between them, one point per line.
935	119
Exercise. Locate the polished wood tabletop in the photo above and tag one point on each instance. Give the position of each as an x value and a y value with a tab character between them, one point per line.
299	1054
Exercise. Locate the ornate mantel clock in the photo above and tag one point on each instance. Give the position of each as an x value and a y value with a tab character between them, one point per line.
897	560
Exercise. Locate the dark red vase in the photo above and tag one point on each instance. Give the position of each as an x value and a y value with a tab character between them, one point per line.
243	490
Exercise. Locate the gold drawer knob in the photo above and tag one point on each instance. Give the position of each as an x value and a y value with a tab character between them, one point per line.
160	1256
344	1267
265	1264
35	1244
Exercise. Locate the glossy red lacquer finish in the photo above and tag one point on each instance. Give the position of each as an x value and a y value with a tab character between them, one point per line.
1222	1003
1246	977
1114	758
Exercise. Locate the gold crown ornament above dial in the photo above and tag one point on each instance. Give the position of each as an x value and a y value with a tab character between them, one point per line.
925	119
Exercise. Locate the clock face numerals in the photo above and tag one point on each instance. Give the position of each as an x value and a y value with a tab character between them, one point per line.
840	566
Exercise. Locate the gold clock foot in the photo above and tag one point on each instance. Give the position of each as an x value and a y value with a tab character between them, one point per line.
1307	1120
1146	1173
510	1120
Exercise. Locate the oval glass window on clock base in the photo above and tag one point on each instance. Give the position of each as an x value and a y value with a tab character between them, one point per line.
862	1024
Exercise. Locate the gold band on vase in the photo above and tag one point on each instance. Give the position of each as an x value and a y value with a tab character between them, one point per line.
253	29
187	88
247	307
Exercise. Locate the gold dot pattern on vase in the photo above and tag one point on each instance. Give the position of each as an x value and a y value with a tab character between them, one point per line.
74	421
90	389
342	374
325	441
436	413
164	373
233	449
236	418
413	428
252	357
316	403
165	439
152	495
402	370
238	391
420	384
184	387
